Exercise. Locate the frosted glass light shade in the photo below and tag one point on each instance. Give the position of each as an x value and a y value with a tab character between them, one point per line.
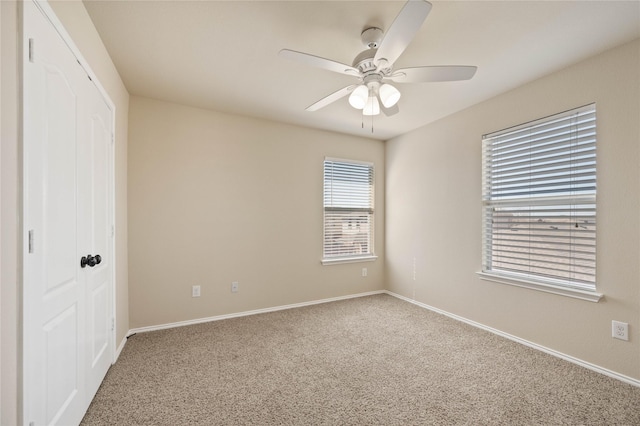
372	106
358	98
389	95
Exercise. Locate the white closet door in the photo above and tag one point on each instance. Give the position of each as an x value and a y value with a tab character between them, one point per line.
95	190
67	216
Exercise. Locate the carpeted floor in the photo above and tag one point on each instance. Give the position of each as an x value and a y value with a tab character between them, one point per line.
368	361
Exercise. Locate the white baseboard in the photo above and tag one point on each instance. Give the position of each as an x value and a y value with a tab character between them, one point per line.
119	349
246	313
585	364
577	361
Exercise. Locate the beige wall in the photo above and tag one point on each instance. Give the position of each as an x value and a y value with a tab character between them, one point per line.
77	22
216	198
433	210
9	214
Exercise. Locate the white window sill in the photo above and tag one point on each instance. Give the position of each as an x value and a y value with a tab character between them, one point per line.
576	293
354	259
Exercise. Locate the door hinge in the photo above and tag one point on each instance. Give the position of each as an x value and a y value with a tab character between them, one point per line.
113	139
113	324
31	53
30	241
113	231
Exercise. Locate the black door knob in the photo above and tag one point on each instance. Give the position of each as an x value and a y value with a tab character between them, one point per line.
90	260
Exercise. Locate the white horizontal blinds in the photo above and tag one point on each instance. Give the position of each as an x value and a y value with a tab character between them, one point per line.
553	242
556	156
539	188
348	208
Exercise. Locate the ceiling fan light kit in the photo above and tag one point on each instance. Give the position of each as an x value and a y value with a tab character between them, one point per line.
389	95
358	98
372	107
374	66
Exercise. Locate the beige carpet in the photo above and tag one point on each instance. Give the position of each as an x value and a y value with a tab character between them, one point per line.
368	361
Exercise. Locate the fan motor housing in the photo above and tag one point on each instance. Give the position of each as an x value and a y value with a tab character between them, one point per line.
364	60
371	38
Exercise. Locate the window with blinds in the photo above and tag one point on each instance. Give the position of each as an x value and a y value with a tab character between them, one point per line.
539	200
348	210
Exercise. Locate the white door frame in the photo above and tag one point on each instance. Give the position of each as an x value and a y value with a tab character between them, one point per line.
48	12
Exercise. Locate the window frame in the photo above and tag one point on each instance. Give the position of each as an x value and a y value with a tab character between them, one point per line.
370	210
525	196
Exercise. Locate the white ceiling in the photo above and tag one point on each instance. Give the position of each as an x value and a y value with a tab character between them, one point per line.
223	55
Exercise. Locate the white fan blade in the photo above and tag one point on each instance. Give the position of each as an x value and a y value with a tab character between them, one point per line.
433	74
332	98
401	32
316	61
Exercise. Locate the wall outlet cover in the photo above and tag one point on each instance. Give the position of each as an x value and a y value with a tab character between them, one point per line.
620	330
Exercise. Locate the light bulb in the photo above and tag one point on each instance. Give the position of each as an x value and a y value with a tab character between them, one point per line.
389	95
358	98
372	107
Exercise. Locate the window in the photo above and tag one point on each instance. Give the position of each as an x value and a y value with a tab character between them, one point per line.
539	202
348	211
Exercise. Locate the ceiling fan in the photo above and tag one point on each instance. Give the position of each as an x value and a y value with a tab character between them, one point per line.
374	66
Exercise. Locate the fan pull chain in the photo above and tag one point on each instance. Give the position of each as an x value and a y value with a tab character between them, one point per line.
362	122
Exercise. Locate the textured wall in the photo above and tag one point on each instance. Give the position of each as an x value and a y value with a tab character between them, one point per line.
216	198
9	214
433	184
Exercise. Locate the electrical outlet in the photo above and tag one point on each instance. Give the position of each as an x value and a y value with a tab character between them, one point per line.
195	291
234	287
364	272
620	330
